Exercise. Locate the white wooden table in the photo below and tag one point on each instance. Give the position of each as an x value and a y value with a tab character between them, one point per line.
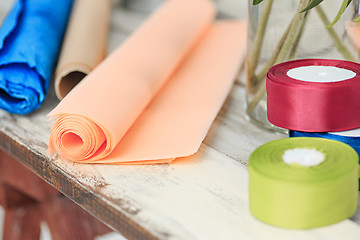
200	197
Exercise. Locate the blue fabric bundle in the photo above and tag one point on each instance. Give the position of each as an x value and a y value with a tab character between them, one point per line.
30	42
353	141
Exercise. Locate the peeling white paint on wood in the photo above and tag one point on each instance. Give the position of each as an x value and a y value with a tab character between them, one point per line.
204	196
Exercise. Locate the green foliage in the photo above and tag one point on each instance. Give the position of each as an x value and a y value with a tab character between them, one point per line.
357	19
340	12
256	2
312	4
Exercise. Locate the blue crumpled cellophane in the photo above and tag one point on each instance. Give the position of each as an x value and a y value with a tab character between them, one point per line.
30	41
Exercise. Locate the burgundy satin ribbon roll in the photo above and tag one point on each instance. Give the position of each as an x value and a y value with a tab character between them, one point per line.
308	106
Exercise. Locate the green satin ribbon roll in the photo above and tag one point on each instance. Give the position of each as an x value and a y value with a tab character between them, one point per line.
297	197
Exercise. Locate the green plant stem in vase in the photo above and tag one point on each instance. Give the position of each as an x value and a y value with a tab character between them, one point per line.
285	30
254	54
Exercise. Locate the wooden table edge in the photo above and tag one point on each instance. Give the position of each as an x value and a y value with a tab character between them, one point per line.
42	166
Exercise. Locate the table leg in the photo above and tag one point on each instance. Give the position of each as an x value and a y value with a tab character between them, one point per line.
19	177
66	221
22	223
11	198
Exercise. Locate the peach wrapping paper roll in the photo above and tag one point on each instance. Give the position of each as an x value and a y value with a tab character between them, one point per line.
156	96
84	45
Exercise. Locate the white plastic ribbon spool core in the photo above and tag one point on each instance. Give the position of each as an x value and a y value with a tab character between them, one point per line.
303	156
320	74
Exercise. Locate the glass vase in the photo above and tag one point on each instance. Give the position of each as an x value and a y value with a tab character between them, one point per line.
278	31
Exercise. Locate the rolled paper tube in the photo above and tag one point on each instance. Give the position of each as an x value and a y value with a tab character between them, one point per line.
303	183
155	97
84	45
30	41
314	95
351	137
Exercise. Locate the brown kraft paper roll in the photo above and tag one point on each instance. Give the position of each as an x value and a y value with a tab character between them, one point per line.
84	45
